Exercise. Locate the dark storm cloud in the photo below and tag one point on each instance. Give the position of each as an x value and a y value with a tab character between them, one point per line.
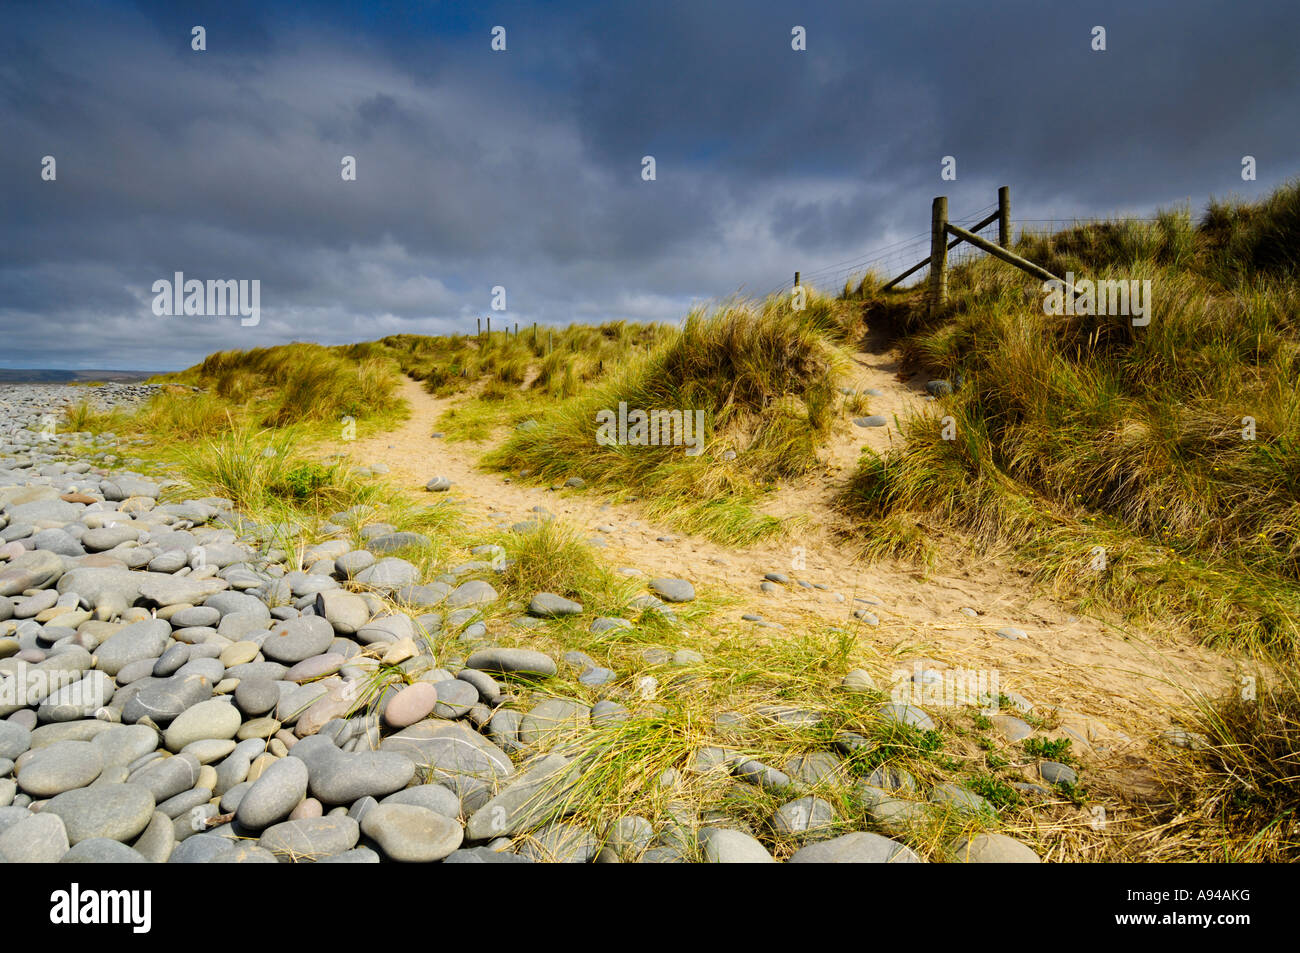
523	169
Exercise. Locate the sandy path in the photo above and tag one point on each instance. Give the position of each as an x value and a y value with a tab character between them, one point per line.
1115	685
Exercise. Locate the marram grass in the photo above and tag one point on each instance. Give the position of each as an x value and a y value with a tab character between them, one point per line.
1174	447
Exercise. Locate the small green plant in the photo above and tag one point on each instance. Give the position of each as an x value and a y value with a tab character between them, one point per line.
302	482
894	739
1049	749
994	790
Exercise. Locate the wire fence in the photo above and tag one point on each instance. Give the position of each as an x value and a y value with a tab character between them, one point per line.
897	257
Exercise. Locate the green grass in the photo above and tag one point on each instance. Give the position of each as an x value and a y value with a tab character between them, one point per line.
476	417
264	470
552	557
763	375
85	417
648	764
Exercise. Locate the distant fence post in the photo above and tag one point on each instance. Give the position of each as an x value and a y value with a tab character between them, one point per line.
1004	216
796	279
479	332
938	253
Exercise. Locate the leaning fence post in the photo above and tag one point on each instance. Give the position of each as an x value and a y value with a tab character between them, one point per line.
1004	216
938	253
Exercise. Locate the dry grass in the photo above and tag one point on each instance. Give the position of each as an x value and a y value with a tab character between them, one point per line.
1233	796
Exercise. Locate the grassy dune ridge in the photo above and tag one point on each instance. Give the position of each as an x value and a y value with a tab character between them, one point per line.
553	363
763	376
301	385
1074	432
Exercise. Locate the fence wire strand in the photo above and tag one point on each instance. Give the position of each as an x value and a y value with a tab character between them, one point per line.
897	257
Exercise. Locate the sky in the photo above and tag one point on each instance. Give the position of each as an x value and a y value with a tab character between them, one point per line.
522	168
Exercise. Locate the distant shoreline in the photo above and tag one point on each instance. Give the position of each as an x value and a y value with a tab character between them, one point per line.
42	375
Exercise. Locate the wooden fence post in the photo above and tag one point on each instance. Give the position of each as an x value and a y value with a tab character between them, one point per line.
479	332
938	253
1004	216
489	323
796	279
